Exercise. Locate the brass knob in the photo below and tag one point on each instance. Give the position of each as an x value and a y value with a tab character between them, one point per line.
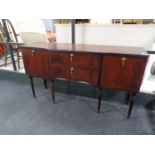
71	56
123	60
71	70
33	51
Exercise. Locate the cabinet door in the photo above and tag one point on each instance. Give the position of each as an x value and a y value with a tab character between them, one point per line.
122	72
36	63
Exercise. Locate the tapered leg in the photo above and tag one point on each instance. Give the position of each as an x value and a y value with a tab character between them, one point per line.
18	58
133	98
32	86
6	57
99	100
99	103
45	83
128	98
53	91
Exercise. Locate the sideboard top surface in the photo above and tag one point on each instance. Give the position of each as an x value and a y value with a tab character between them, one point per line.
104	49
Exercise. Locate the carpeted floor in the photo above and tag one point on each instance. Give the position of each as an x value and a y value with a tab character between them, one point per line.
20	114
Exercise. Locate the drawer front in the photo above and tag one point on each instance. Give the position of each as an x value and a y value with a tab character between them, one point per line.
86	76
84	61
36	63
75	74
122	73
60	58
60	71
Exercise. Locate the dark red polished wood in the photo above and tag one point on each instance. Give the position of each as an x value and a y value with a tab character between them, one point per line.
79	60
36	63
74	74
122	72
75	66
113	67
104	49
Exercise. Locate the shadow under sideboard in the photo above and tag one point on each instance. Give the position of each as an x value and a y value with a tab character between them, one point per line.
76	88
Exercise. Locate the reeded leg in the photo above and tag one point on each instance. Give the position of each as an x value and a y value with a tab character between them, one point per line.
99	100
53	91
133	98
45	83
32	86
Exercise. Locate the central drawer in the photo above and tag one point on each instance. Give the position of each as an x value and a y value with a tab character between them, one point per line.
74	74
83	61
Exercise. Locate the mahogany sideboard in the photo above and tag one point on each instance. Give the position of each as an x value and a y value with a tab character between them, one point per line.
112	67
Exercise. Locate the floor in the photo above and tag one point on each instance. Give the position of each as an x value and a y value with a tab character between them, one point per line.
20	114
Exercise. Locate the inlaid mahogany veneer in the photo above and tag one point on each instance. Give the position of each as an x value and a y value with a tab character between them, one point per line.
111	67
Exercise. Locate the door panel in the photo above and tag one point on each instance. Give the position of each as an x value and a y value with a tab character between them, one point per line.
36	63
122	72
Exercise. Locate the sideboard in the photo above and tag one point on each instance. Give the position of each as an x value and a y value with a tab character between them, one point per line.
105	67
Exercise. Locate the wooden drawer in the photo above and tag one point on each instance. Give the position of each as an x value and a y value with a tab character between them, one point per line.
84	61
60	58
36	63
122	72
86	76
60	71
73	73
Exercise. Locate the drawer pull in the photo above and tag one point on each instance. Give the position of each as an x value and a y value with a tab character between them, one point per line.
123	61
71	56
33	51
71	70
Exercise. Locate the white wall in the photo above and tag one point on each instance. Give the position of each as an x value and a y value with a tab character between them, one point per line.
119	35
